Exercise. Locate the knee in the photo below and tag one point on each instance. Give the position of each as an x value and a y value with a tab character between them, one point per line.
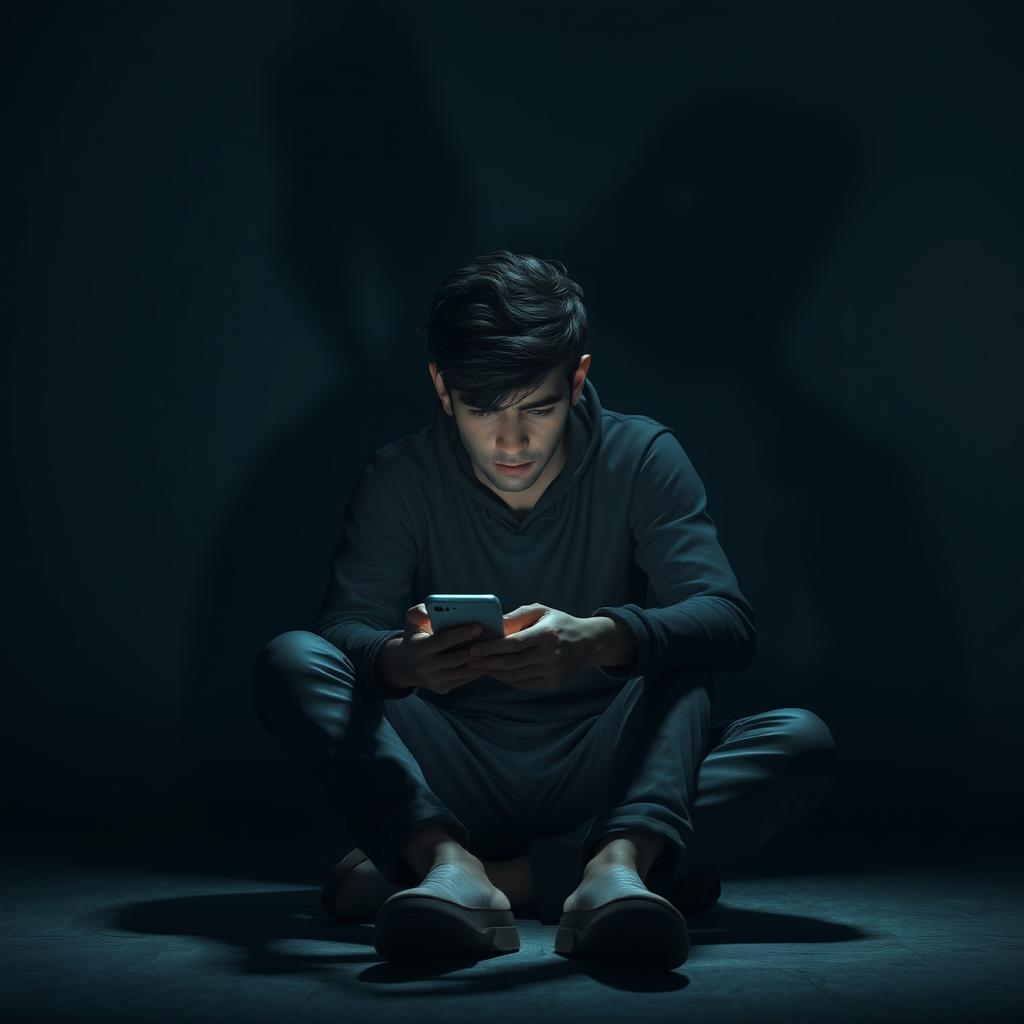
810	743
290	652
282	665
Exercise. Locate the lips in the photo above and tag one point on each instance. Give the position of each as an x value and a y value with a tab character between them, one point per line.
517	469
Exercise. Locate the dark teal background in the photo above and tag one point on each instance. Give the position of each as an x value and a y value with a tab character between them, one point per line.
798	231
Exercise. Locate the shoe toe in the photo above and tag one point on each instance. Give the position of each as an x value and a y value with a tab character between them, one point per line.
620	921
449	915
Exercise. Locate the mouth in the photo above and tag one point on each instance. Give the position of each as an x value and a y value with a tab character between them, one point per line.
516	467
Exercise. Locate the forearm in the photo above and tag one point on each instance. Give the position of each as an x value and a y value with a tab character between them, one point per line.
613	643
707	629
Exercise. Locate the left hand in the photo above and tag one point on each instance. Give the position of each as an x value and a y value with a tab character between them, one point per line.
542	648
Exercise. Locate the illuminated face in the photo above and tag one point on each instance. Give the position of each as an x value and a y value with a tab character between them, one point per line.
529	433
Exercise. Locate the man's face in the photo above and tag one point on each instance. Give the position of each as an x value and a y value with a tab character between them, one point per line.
530	432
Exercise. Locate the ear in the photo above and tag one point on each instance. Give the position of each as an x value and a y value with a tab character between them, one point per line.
442	392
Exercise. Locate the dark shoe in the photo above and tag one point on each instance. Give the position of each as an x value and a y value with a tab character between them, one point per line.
355	889
617	919
696	892
449	915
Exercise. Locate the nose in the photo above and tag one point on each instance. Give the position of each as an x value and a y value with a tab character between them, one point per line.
510	455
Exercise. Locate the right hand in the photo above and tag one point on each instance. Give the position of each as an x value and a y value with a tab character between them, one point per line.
435	660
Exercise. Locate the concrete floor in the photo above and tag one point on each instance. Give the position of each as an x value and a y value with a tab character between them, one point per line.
123	931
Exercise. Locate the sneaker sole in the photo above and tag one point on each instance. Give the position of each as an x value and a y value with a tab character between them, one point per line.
425	928
633	931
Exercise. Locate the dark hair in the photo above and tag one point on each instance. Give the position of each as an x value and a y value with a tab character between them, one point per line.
500	325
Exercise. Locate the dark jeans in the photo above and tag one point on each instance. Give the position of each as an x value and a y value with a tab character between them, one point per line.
651	759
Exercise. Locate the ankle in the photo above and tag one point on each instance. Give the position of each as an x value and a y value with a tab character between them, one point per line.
601	862
634	850
433	845
454	853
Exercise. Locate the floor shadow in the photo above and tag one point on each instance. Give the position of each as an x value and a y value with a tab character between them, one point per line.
723	923
256	928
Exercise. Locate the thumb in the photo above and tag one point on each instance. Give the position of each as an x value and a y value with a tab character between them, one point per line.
523	615
526	610
417	616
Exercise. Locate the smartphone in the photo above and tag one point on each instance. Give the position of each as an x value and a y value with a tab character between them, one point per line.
447	610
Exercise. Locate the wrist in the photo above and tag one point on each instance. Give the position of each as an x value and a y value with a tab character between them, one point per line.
612	643
389	669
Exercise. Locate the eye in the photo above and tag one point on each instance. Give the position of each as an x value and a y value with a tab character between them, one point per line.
537	412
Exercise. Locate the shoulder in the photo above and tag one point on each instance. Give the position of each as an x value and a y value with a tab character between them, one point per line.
403	466
634	436
647	456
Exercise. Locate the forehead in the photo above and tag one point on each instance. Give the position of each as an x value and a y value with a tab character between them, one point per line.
552	389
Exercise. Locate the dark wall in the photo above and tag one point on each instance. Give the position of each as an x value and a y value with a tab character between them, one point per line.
799	237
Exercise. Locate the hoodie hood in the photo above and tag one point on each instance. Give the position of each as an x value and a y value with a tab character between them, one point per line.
583	436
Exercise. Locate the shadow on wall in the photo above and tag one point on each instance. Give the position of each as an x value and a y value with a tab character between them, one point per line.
373	203
700	260
704	258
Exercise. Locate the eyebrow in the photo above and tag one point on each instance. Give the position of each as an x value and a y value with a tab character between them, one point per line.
546	400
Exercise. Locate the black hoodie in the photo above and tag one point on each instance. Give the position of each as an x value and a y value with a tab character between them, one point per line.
623	531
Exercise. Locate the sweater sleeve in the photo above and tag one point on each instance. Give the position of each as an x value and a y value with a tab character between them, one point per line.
700	615
370	579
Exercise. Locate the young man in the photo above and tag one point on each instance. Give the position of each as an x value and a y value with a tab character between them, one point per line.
557	766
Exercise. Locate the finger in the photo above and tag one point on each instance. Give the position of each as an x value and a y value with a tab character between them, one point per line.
461	680
504	661
452	656
516	643
529	678
452	682
455	636
458	635
454	661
